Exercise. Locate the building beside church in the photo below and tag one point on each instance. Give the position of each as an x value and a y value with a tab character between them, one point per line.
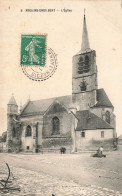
81	121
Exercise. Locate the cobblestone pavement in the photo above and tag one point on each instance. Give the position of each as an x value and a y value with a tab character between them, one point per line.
34	183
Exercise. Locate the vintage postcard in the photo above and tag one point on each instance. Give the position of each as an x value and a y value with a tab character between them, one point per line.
61	91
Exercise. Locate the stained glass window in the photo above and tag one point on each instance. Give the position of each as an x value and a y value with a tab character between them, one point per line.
55	126
28	131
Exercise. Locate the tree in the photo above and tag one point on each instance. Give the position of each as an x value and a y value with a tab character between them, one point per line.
4	136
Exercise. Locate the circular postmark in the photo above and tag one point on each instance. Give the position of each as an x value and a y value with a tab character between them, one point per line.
39	73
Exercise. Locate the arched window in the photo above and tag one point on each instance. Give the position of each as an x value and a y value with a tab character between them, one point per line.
86	60
80	63
28	131
55	126
107	114
83	65
81	60
86	66
102	134
14	132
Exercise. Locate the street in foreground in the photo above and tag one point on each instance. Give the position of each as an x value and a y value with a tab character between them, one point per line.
68	174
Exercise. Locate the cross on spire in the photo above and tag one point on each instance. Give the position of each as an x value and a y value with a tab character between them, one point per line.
84	11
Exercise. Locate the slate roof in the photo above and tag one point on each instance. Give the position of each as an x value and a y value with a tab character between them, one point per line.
40	106
89	121
12	101
102	99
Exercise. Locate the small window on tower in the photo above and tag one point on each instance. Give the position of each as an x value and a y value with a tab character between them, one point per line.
86	60
82	133
81	60
86	66
83	65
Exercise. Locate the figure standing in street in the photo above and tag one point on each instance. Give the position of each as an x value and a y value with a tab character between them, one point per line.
101	150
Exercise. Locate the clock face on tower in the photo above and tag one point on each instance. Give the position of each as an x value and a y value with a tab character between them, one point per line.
83	64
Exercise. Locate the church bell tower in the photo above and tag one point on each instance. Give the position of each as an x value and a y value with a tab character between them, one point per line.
84	76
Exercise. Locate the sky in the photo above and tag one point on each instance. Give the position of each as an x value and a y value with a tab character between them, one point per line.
64	31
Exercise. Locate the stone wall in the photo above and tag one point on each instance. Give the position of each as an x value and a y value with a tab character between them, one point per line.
32	141
93	140
83	98
65	121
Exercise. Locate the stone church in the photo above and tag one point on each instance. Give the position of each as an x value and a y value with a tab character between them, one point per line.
81	121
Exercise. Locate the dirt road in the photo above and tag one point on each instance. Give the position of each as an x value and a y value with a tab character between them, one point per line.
81	170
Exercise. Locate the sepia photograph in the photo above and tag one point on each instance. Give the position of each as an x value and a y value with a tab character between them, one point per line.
61	90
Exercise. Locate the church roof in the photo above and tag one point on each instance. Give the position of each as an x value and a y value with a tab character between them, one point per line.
90	121
40	106
102	99
12	101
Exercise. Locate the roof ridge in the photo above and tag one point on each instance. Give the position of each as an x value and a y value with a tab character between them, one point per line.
24	107
50	98
56	102
43	104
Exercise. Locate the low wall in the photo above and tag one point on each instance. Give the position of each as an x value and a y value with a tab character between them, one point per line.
95	144
56	142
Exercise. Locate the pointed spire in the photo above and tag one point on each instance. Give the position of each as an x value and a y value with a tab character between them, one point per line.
12	100
85	47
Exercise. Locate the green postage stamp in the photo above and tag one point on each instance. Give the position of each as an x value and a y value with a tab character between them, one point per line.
33	50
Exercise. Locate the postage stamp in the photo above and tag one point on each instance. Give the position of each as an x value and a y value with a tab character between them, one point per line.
33	50
42	73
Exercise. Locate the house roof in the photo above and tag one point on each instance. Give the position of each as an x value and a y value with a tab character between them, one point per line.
102	99
89	121
40	106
